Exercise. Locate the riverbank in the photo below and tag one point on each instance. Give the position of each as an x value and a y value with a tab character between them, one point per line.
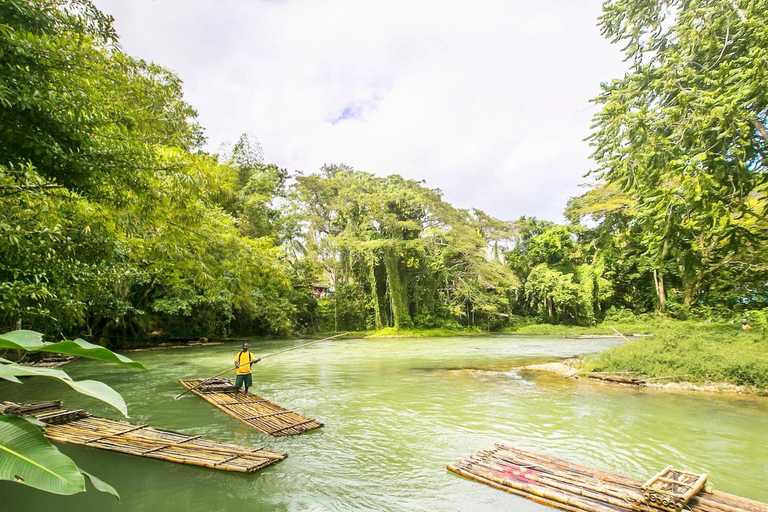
571	368
709	356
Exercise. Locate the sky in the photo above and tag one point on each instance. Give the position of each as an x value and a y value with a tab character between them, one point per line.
486	100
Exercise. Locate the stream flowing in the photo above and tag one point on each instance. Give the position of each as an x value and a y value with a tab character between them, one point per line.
396	412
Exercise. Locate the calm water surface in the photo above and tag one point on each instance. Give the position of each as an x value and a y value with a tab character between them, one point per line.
396	412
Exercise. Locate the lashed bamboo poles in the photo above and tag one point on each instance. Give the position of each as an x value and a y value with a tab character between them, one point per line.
601	492
503	487
703	502
204	381
253	452
545	486
257	412
672	489
144	441
569	486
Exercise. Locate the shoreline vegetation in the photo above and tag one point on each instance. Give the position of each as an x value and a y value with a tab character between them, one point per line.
682	355
664	353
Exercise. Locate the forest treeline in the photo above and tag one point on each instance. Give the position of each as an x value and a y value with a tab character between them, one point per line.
116	225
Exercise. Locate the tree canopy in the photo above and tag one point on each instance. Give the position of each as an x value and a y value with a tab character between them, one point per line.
119	228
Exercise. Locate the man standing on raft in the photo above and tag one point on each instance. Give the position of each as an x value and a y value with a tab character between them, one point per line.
243	361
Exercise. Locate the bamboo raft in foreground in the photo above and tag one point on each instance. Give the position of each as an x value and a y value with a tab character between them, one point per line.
76	426
561	484
253	410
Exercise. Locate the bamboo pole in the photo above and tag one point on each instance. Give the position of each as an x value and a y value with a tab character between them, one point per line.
257	360
576	488
667	377
168	444
204	381
501	487
302	346
715	501
617	332
557	496
743	503
264	416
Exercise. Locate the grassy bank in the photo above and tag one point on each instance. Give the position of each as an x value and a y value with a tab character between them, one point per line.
697	352
693	351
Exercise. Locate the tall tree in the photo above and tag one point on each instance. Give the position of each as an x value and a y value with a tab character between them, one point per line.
683	133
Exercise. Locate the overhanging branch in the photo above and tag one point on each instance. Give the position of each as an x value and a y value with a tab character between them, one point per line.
760	128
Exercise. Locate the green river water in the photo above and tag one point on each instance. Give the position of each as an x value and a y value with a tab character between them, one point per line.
396	412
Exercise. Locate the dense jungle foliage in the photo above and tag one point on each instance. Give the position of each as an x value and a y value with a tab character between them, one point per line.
116	226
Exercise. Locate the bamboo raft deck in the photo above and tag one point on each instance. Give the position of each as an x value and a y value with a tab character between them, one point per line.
54	361
76	426
253	410
567	486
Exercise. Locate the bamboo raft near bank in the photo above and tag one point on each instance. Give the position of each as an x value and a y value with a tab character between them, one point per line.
77	426
567	486
52	361
253	410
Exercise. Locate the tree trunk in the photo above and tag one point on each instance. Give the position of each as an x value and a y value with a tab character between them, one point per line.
691	291
374	293
661	293
395	284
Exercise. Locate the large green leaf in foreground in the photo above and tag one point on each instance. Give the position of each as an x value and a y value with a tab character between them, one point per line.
101	485
21	340
32	341
92	388
28	458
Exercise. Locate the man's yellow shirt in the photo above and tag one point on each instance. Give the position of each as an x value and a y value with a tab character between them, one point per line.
243	359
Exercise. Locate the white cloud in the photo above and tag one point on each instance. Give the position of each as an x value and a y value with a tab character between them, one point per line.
486	100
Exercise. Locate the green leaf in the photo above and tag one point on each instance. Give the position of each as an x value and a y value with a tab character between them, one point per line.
28	458
32	342
10	378
101	485
82	348
21	340
91	388
100	391
36	422
15	370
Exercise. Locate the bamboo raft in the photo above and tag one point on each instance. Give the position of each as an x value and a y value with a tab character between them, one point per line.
77	426
567	486
253	410
53	361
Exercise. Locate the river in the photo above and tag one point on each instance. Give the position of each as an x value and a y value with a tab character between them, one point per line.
396	412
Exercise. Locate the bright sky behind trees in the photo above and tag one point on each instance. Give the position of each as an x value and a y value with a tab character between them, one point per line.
486	100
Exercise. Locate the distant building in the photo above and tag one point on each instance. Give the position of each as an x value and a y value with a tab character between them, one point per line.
316	289
319	290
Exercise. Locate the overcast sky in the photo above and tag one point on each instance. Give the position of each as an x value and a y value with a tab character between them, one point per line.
486	100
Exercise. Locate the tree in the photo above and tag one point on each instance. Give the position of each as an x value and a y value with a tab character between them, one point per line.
84	114
112	226
683	133
418	260
616	245
85	133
